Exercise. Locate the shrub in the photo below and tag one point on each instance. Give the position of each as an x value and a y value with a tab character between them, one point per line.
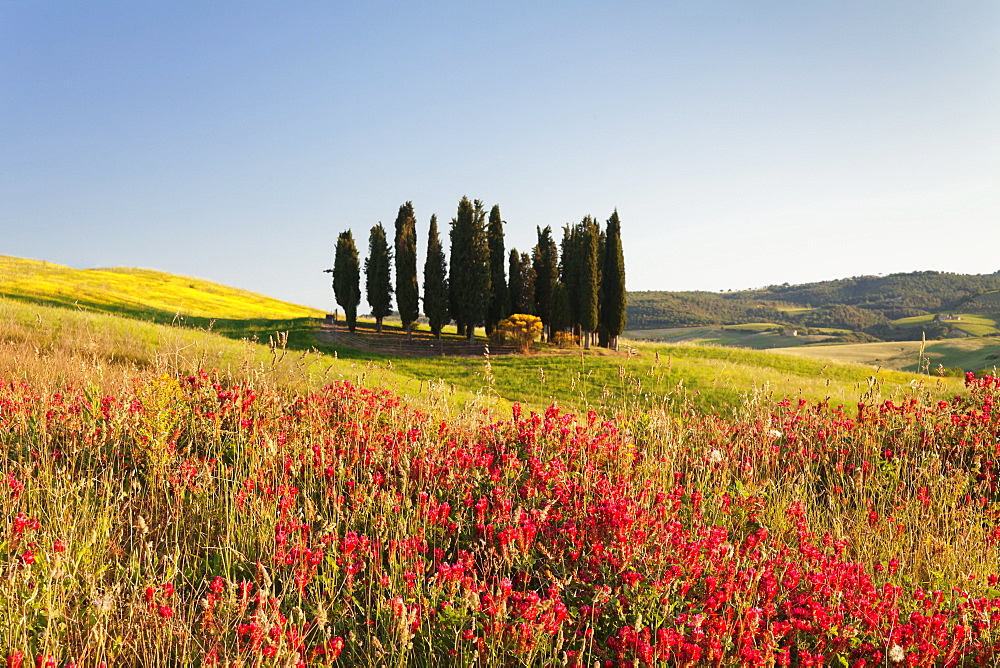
520	329
565	339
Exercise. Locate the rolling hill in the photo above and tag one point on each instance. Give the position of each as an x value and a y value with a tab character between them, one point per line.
880	306
137	293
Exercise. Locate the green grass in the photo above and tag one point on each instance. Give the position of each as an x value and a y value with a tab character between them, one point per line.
752	327
979	330
756	336
654	376
977	325
970	354
707	377
237	337
66	345
913	320
672	333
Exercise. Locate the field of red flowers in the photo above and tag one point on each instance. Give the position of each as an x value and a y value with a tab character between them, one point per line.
200	520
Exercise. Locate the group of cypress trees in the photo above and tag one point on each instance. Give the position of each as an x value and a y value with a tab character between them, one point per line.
580	290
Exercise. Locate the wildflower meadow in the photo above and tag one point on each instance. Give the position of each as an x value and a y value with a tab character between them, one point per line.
206	520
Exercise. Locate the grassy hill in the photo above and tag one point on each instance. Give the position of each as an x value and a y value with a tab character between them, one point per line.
892	295
138	293
45	322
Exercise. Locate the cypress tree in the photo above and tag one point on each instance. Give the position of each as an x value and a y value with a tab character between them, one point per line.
459	236
588	278
435	282
514	287
407	292
613	297
469	283
603	337
499	306
521	286
560	309
570	272
378	283
347	278
545	262
528	283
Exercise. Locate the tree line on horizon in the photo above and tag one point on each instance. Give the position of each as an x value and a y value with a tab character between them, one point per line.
577	286
864	304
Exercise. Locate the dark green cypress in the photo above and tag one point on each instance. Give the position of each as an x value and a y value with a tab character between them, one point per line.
521	283
347	277
378	283
570	272
545	262
499	306
469	283
528	283
603	337
589	234
407	291
435	281
613	296
560	309
459	237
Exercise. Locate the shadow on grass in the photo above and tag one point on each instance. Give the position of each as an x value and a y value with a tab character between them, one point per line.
301	331
301	334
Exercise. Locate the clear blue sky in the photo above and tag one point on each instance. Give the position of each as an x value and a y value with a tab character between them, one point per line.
743	143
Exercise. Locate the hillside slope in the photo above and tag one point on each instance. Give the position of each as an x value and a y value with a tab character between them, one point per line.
137	293
58	321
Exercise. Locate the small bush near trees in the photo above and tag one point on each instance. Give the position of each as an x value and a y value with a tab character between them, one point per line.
520	329
565	339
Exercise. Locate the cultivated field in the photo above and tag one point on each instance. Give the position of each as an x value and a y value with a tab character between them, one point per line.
968	353
971	324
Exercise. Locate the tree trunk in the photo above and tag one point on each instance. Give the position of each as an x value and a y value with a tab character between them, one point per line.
378	325
603	339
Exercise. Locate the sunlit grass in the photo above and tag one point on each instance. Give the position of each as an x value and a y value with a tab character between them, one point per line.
55	346
708	377
970	354
137	293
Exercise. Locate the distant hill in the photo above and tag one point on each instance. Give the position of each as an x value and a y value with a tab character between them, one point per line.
893	296
652	310
137	293
986	303
866	304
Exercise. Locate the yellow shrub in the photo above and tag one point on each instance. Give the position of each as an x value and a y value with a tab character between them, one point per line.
565	339
521	330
